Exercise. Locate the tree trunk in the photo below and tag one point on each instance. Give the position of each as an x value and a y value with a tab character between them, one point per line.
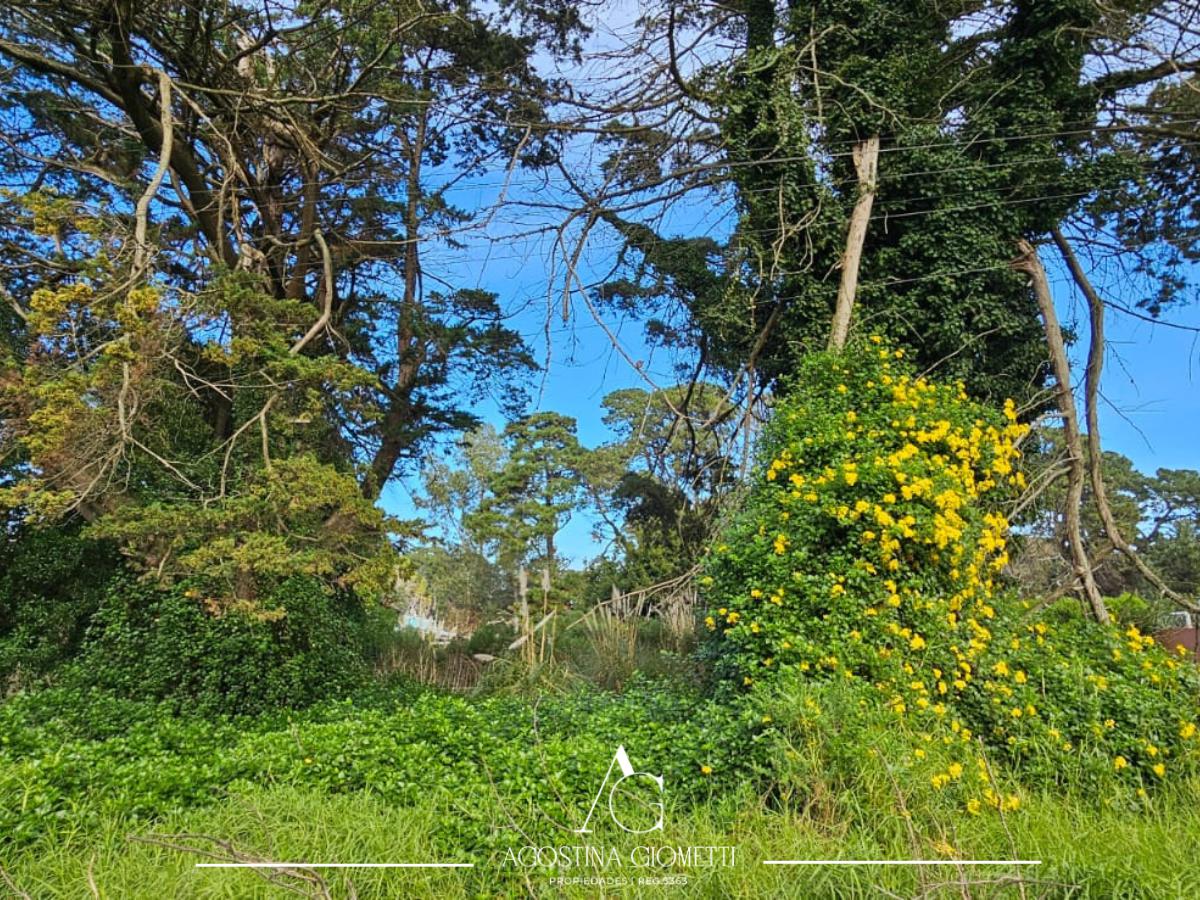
866	162
1029	263
1095	365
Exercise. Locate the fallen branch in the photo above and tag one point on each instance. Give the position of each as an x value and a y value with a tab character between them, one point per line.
295	879
12	886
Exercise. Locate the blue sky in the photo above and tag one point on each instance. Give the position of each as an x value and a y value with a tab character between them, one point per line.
1151	401
1151	408
1151	382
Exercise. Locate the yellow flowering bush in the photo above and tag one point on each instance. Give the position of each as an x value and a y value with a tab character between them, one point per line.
1064	696
870	552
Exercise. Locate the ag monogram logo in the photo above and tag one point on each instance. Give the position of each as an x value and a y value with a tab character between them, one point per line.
621	761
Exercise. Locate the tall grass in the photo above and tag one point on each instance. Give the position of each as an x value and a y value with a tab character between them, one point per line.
612	633
1086	852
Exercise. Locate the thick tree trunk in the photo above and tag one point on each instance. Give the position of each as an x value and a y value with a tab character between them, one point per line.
1029	263
866	162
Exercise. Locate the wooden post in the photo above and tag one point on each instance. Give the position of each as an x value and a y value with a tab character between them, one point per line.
526	628
545	611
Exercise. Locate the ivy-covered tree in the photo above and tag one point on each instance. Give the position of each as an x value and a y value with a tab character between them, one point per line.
983	123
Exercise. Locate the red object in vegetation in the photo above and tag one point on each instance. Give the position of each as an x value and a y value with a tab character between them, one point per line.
1189	638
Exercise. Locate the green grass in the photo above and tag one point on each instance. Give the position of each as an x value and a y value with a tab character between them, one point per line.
1087	852
108	798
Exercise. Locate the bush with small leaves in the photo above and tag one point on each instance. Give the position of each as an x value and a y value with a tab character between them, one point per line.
870	553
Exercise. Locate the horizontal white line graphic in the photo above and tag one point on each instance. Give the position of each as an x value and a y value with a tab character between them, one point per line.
309	865
901	862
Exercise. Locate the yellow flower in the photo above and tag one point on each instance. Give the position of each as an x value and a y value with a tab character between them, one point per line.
973	806
1187	729
917	642
1120	763
955	770
944	848
706	770
1159	769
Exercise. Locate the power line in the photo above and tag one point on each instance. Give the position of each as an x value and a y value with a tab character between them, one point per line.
879	216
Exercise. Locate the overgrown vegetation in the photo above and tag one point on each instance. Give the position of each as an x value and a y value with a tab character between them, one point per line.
869	555
843	601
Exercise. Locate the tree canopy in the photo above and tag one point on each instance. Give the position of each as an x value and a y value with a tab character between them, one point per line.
223	335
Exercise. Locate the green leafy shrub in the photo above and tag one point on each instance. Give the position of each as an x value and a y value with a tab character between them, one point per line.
869	552
1131	609
840	755
1070	700
152	644
51	583
491	637
404	746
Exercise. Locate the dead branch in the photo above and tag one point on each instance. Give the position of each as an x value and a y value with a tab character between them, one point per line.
12	885
142	211
1029	263
866	162
327	309
294	879
1095	364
